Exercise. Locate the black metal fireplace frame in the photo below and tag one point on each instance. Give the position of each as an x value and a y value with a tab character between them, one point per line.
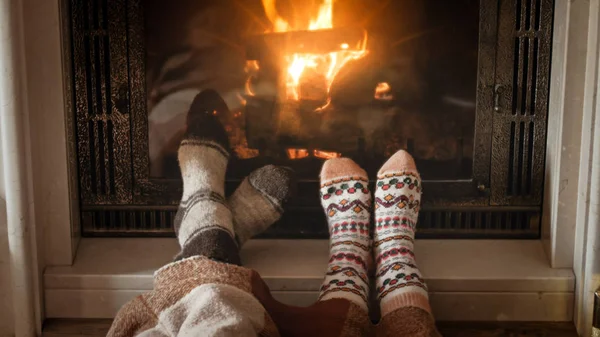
119	197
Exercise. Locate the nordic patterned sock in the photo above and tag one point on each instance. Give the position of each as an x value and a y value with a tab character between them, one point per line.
203	222
346	199
397	200
258	202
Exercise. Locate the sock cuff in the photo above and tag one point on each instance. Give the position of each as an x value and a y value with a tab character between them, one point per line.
356	298
406	299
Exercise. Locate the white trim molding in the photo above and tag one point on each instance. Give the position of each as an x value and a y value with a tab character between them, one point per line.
569	64
587	251
46	90
485	280
16	159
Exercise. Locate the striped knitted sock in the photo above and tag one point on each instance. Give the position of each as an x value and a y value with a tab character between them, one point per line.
203	222
258	202
346	200
397	200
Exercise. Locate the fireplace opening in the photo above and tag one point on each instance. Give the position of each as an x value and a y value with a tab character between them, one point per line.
309	81
462	85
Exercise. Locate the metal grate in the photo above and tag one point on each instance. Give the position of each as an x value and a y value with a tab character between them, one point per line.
520	161
128	222
102	162
101	102
521	223
521	112
480	223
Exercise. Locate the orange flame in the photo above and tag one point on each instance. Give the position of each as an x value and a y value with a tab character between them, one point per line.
279	24
327	64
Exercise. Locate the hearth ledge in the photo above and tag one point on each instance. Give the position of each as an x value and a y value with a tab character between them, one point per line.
484	280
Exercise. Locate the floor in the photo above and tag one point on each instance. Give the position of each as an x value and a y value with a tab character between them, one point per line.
99	327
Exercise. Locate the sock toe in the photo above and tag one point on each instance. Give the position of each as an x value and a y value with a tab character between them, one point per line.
340	168
203	119
400	161
277	182
258	202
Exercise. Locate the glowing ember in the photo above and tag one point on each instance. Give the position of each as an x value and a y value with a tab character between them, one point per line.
303	153
326	64
383	91
297	153
326	155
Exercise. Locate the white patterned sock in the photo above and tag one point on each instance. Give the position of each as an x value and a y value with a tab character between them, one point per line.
397	200
346	200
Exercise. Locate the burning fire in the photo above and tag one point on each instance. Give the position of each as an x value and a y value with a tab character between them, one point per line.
325	65
303	153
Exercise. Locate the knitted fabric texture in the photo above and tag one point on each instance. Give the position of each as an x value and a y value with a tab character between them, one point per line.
397	200
346	199
200	297
203	222
258	202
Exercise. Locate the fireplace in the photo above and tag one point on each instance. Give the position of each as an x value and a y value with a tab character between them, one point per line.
463	85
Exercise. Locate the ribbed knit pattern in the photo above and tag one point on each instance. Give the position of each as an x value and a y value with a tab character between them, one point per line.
203	165
203	223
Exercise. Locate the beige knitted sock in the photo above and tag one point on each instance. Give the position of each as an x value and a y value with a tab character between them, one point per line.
258	202
203	222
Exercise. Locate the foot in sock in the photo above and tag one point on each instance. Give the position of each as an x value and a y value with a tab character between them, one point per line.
258	202
397	200
346	200
203	222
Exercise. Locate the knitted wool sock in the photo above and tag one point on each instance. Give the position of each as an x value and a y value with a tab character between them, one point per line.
397	200
346	200
203	222
258	202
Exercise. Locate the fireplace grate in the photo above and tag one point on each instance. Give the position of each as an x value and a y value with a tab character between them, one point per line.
502	198
521	223
522	126
102	122
521	102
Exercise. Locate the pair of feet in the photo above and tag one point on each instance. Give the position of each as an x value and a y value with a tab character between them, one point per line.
208	224
348	205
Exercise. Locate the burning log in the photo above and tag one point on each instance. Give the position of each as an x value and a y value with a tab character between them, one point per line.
304	62
323	41
301	65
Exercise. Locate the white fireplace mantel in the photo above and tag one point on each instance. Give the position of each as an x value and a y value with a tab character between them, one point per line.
547	279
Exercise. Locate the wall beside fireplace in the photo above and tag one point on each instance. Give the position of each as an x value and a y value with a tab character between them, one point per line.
6	309
500	195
